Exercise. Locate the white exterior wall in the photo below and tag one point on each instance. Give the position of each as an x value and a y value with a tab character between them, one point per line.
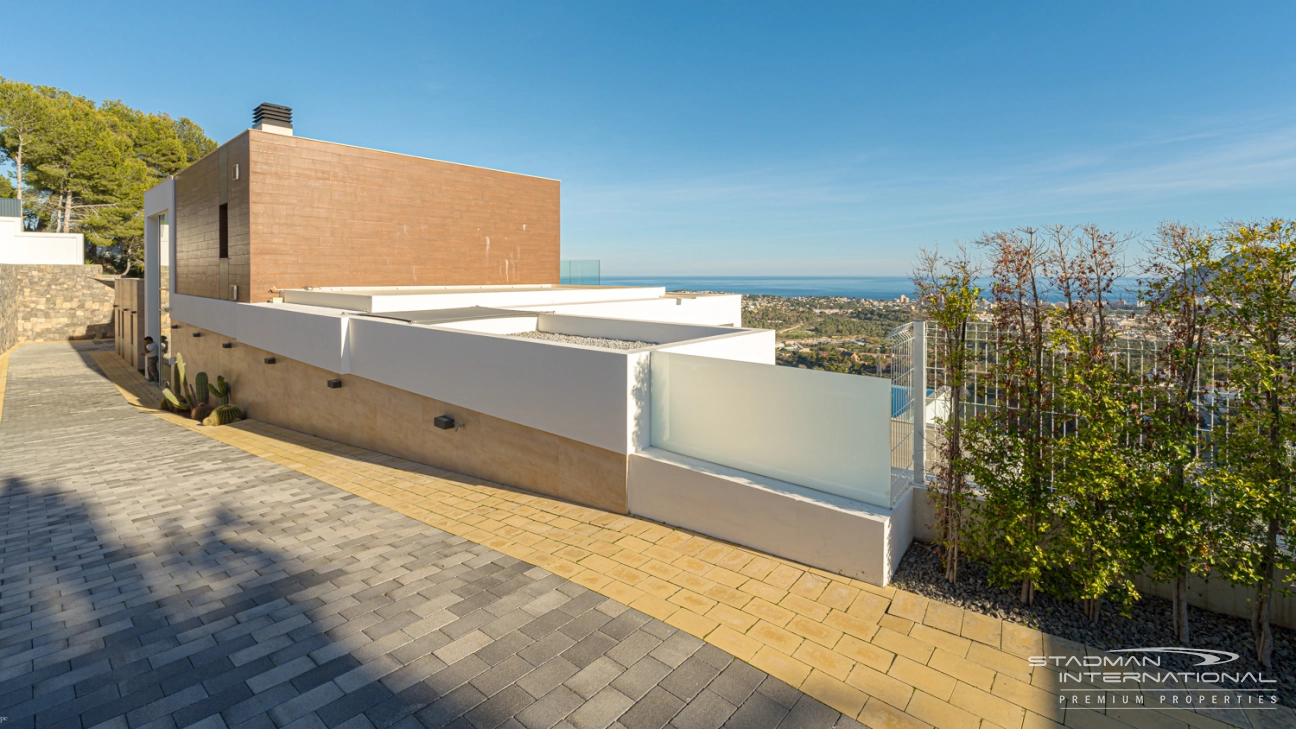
592	395
829	532
19	246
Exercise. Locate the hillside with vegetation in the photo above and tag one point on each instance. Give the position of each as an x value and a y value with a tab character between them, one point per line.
833	333
78	166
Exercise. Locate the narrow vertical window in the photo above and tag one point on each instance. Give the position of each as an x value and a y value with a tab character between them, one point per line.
224	231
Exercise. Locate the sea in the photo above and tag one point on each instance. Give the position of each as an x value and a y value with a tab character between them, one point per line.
857	287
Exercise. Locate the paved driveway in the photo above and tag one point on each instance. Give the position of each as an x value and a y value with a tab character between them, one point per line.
151	576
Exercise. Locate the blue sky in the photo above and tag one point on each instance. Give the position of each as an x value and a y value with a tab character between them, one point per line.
744	138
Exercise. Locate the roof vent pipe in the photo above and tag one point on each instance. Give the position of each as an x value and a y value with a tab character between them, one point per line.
273	118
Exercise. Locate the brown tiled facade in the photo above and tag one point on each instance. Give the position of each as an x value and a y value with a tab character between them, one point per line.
309	213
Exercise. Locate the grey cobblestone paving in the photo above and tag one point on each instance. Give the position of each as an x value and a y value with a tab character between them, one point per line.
152	577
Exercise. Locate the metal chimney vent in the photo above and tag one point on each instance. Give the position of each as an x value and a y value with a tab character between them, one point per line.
273	118
274	114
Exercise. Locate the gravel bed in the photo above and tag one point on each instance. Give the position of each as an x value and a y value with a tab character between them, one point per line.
603	342
1147	625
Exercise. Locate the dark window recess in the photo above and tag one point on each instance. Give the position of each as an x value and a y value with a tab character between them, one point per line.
224	230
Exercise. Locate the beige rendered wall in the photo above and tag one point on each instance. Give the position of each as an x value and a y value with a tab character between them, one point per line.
389	420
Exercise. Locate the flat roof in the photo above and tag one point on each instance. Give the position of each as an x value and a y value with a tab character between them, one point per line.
445	316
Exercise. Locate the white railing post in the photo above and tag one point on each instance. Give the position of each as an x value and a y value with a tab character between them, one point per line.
918	402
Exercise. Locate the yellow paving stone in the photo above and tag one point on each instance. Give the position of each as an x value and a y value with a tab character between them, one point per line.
674	539
599	563
944	617
762	590
575	554
832	663
881	686
692	601
734	560
816	631
838	596
691	564
633	543
655	532
922	678
734	643
728	595
833	692
1028	697
941	714
692	582
783	576
628	575
712	552
660	570
692	545
903	645
962	669
997	660
908	606
868	654
982	628
851	624
1035	721
659	588
655	607
809	586
732	617
691	623
725	577
629	557
769	612
878	714
780	666
1020	640
868	606
591	580
802	606
1004	713
662	554
621	592
939	638
776	637
758	567
899	625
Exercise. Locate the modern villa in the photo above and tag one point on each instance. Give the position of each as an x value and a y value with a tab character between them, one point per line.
414	307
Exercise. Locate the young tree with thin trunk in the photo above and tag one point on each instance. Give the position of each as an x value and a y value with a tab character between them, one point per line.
947	295
1177	513
1098	465
1254	306
1010	448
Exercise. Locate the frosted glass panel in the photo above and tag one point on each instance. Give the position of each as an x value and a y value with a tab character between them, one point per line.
822	430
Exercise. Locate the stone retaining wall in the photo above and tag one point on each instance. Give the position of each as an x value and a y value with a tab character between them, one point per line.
48	302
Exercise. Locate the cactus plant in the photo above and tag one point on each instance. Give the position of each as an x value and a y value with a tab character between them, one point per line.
221	390
176	404
200	388
201	411
223	415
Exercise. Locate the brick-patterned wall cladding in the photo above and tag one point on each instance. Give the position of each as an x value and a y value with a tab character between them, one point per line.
44	303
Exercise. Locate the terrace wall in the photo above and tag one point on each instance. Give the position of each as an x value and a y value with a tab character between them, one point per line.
40	303
390	420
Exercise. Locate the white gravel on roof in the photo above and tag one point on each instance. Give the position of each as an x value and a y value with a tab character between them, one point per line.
603	342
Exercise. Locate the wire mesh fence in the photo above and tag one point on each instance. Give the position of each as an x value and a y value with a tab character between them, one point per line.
1141	360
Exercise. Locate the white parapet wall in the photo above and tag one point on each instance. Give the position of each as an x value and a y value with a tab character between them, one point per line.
22	247
830	532
592	395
